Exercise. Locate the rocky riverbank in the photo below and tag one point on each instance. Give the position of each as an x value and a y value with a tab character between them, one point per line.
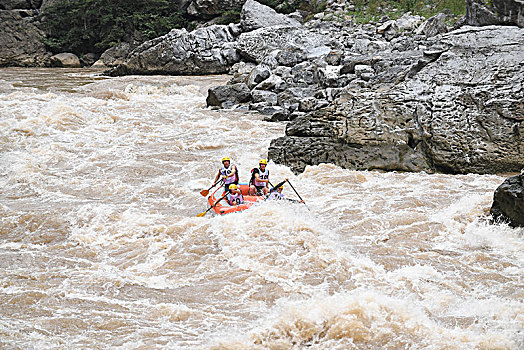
406	94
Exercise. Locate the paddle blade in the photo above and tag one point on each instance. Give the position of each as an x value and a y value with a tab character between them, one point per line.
204	192
201	214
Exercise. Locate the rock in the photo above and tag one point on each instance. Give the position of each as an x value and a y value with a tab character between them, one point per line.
258	75
290	56
65	60
211	8
88	59
228	95
115	55
267	97
508	202
254	15
329	76
394	28
456	108
258	44
273	83
433	26
364	72
241	72
21	42
208	50
305	73
274	114
503	12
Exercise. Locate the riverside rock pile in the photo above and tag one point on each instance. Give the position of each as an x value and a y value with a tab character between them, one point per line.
408	95
404	94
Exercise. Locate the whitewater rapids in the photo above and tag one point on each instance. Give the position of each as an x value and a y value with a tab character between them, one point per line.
100	246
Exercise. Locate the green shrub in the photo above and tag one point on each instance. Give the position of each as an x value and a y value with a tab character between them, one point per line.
82	26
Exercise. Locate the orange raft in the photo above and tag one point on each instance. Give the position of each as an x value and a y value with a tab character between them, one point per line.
223	208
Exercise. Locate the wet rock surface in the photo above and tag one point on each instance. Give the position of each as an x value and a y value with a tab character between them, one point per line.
508	202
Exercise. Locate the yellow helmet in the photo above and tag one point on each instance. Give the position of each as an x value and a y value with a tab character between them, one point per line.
262	161
225	158
233	187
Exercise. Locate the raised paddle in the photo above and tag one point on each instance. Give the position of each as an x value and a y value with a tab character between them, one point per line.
206	192
214	205
274	188
297	193
277	186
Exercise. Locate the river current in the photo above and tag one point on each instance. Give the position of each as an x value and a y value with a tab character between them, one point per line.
100	246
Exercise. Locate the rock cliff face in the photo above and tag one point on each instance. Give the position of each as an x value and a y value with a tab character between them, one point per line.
508	201
20	39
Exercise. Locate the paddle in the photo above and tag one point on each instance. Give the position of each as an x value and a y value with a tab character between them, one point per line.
274	188
214	205
297	193
206	192
277	186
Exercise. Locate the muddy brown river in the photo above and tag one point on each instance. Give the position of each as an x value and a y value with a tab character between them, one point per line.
100	246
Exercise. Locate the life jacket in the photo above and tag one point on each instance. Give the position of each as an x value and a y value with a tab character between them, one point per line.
226	172
262	175
275	196
235	199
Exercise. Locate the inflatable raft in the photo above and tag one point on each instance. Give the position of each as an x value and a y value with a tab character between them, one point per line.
223	207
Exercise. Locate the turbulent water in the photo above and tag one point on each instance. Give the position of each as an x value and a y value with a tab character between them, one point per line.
100	246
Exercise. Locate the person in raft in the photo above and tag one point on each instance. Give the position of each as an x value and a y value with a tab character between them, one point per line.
228	173
234	197
258	185
278	195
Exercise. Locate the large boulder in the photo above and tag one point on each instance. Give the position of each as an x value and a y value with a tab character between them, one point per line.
508	201
208	50
21	41
115	55
254	15
212	8
258	44
456	109
227	96
65	60
504	12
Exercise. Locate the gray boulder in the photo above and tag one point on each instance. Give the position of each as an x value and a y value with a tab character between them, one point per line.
456	109
227	96
254	15
505	12
21	42
433	26
258	44
508	202
258	75
115	55
65	60
208	50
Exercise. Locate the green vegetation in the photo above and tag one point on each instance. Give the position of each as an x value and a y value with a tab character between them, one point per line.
82	26
372	10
